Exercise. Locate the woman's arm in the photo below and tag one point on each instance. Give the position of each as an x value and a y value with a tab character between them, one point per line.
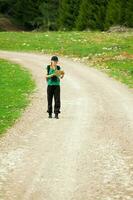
46	75
49	76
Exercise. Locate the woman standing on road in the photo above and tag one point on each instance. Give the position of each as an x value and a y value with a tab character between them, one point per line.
54	73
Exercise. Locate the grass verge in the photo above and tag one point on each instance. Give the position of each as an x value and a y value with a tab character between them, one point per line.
16	84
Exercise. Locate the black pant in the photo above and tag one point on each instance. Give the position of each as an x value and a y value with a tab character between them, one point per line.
53	90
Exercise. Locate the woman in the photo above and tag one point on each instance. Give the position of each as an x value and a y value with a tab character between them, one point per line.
54	73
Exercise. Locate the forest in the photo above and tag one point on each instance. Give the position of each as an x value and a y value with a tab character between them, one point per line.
69	15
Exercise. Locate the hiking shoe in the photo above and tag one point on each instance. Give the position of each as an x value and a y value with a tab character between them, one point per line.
56	116
50	115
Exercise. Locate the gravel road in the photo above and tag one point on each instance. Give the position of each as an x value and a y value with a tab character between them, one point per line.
86	154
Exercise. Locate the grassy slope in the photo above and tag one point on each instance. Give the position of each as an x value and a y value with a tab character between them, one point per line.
110	52
16	84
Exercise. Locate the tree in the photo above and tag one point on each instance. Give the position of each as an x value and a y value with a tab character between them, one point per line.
100	8
25	12
87	17
68	12
48	14
129	13
6	7
123	12
113	14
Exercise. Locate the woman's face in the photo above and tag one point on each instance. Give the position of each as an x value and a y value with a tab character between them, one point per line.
54	62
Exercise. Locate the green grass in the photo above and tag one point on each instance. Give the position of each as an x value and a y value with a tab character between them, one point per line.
72	43
121	70
95	47
16	84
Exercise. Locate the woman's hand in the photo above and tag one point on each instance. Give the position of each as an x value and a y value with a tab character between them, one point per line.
61	76
59	73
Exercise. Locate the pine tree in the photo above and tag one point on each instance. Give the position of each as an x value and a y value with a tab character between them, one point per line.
123	12
25	11
113	14
6	7
129	13
65	18
76	6
100	13
68	12
87	16
48	14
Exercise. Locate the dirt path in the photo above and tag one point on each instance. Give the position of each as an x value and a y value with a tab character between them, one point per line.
87	154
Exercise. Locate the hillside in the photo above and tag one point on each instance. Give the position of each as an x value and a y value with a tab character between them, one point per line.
7	25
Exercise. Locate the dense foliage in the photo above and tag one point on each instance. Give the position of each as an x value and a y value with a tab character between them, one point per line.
68	14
